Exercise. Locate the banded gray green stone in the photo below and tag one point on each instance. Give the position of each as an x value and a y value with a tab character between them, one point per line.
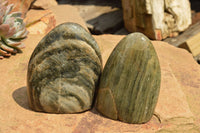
130	82
64	71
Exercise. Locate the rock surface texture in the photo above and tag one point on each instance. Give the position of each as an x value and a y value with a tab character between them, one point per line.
43	21
43	4
40	21
72	16
130	82
21	5
63	71
157	19
177	110
101	17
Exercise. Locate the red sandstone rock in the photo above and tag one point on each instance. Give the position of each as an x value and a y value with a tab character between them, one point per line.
178	108
67	13
44	4
40	21
21	5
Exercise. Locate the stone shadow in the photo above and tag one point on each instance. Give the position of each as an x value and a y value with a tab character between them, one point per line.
195	5
21	98
107	23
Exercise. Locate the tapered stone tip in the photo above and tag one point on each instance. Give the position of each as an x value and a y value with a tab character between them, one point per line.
136	40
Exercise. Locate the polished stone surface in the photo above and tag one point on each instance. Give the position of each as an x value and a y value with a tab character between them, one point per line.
63	71
177	110
130	82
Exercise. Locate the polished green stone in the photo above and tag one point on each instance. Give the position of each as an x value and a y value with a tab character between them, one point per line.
130	82
64	70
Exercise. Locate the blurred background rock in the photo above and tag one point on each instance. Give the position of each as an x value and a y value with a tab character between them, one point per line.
114	17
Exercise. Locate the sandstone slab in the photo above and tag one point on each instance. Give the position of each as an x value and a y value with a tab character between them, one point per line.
43	4
21	5
40	21
67	13
178	108
101	17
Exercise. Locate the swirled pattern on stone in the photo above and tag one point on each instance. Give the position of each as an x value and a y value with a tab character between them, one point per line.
130	82
63	71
